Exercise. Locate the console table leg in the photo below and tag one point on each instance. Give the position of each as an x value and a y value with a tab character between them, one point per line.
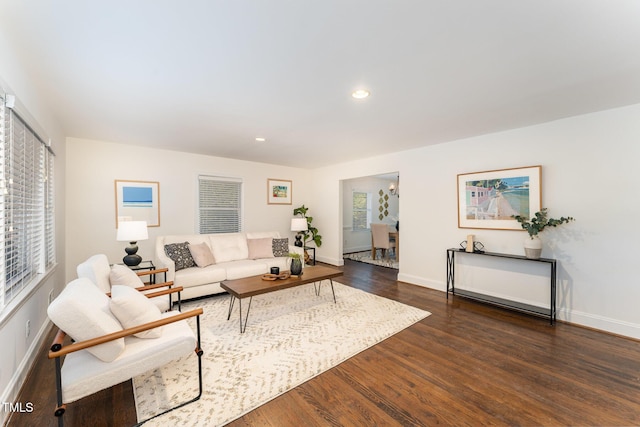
450	272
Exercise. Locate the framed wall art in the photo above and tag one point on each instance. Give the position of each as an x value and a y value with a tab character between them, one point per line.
279	191
138	201
489	199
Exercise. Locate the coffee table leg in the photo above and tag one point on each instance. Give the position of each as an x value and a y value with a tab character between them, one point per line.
231	301
246	317
333	291
317	289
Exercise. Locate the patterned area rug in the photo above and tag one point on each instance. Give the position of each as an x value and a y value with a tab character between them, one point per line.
292	336
365	256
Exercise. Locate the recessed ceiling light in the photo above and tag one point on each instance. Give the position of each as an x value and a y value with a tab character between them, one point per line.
260	139
360	94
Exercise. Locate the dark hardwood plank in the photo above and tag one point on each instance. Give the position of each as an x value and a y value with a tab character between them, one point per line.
466	364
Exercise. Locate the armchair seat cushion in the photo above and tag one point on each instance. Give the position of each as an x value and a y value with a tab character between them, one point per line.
83	374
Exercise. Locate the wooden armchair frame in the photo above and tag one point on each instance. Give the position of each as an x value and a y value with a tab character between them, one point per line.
153	285
58	350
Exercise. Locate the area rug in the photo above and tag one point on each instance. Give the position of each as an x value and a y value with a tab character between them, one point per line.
365	256
292	336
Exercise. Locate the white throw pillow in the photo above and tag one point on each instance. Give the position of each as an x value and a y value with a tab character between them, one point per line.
260	248
132	308
121	275
82	311
201	254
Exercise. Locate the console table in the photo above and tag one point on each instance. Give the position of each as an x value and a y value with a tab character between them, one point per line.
526	308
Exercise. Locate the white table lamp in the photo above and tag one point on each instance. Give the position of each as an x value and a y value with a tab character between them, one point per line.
132	232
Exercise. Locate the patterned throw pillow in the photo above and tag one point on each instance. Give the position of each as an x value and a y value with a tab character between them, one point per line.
180	254
280	247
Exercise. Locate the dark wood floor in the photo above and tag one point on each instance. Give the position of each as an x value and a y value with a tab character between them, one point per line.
466	364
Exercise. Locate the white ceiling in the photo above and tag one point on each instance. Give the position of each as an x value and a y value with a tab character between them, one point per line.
209	76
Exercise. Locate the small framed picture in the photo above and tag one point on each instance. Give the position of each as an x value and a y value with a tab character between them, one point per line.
279	191
489	199
138	201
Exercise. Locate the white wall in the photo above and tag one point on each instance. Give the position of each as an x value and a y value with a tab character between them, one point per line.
360	240
93	166
588	164
19	350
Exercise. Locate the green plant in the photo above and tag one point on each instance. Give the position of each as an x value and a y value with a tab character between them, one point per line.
294	255
540	221
312	233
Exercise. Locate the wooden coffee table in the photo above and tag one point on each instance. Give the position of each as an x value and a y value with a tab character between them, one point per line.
254	285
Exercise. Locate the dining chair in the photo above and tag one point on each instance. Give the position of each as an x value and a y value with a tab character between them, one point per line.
380	240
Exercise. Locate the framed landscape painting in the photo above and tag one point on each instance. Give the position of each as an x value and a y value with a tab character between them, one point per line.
489	199
279	191
138	201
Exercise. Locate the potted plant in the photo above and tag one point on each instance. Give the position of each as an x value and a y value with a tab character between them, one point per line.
296	263
534	226
311	234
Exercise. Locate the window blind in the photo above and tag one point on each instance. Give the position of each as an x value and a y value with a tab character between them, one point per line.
361	210
27	230
219	205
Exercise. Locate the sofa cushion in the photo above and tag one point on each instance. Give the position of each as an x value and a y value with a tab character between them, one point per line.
280	247
201	255
260	248
132	308
121	275
229	247
180	255
194	276
244	268
82	311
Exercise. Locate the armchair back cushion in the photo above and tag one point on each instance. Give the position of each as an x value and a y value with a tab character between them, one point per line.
82	311
97	270
132	308
121	275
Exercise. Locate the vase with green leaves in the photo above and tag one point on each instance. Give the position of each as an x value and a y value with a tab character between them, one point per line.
534	226
296	264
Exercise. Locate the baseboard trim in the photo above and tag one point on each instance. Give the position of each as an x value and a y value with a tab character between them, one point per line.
574	317
18	378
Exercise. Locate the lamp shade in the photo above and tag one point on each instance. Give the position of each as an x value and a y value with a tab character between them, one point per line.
132	231
299	224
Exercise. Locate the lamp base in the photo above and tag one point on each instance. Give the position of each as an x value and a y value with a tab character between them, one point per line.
132	259
298	241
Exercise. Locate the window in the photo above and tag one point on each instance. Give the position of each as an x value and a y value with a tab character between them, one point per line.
361	210
219	205
27	231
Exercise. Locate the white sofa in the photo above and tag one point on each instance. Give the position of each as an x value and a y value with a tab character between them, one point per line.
235	256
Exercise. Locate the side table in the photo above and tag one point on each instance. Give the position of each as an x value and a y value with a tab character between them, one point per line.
313	249
149	266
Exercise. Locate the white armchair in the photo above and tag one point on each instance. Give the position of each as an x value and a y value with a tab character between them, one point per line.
104	353
97	269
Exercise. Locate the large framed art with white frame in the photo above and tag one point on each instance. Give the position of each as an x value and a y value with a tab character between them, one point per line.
489	199
138	201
